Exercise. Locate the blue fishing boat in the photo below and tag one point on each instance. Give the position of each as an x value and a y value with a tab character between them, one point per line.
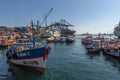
93	47
28	53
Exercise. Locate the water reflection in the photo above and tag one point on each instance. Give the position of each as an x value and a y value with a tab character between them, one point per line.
4	74
104	58
69	43
64	43
25	73
67	59
17	72
114	62
93	55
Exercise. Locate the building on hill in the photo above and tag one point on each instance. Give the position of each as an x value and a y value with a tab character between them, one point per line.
4	29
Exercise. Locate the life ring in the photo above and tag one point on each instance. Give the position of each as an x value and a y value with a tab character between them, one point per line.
21	49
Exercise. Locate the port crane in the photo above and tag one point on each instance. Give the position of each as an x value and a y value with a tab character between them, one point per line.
46	16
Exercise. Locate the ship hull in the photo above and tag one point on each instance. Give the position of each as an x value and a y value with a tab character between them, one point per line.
34	58
112	54
36	63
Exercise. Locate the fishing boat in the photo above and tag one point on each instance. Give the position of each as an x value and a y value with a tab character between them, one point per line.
93	47
28	53
6	40
113	53
87	40
112	49
70	38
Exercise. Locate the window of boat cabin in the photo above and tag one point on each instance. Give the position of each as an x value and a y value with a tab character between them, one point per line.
23	41
20	41
26	41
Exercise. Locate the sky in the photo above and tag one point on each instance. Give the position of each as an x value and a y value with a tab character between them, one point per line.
92	16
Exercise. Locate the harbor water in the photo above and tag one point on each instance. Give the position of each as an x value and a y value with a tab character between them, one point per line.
68	61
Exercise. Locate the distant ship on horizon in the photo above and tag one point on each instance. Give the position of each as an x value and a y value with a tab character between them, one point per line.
84	34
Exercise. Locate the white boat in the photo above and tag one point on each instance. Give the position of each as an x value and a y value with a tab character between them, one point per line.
46	34
62	39
50	39
70	38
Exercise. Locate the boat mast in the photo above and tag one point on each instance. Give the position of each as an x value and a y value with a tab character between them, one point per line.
33	37
119	25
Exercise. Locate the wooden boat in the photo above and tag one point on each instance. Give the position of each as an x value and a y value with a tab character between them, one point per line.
87	40
27	53
112	49
113	53
93	47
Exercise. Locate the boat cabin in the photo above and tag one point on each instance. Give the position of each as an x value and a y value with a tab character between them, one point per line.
23	41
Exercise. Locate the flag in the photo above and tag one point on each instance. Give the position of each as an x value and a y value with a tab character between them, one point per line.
29	28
